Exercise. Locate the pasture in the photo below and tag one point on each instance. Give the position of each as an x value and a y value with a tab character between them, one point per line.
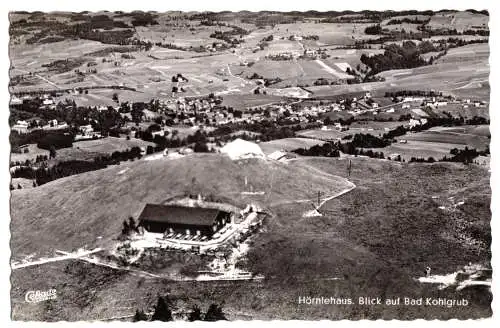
453	136
329	33
419	149
110	144
242	101
458	20
467	78
374	128
288	144
33	152
438	141
327	135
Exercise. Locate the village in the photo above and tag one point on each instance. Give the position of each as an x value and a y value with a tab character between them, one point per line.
208	111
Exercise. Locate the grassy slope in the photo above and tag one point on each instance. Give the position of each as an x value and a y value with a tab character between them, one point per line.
463	72
376	238
71	212
288	144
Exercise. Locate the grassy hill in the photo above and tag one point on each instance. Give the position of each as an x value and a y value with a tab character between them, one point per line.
72	212
375	240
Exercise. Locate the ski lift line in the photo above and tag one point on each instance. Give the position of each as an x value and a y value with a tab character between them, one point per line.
270	186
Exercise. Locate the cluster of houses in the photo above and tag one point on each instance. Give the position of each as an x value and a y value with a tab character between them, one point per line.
438	102
86	132
466	103
416	122
48	101
23	126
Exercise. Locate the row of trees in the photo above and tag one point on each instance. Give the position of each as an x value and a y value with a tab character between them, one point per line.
413	93
465	155
331	149
163	312
407	20
326	150
44	174
395	57
373	30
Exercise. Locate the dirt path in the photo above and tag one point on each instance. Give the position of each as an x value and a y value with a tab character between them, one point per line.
323	200
319	172
66	256
329	69
40	77
245	82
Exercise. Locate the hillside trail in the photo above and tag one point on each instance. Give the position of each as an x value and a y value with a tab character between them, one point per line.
323	174
66	256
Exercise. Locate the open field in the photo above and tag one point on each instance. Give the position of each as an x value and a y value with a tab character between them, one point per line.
419	149
468	111
437	142
110	144
477	130
241	101
128	73
24	183
458	20
33	152
288	144
462	72
296	72
465	75
327	135
84	150
365	127
453	136
329	33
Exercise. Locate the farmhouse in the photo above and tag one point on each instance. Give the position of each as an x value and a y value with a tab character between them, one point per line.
15	101
21	127
181	219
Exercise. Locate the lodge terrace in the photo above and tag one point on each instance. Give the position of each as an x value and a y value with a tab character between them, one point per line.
182	219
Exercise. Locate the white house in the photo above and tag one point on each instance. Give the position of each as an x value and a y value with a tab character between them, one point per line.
160	133
48	102
20	127
414	122
86	129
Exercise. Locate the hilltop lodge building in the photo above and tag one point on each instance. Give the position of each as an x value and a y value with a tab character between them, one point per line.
182	219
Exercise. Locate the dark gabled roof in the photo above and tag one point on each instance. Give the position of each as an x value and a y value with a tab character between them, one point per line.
175	214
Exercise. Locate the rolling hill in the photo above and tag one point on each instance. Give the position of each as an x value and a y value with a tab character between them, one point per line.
88	209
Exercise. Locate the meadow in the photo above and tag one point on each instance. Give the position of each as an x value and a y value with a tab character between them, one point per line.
288	144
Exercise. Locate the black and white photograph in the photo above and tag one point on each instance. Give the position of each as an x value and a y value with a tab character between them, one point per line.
249	164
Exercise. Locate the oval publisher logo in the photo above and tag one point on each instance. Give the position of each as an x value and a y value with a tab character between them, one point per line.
35	296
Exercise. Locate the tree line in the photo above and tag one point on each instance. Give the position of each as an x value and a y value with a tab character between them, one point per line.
395	57
44	174
163	311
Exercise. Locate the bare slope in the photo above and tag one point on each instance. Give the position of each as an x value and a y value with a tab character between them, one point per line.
72	212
